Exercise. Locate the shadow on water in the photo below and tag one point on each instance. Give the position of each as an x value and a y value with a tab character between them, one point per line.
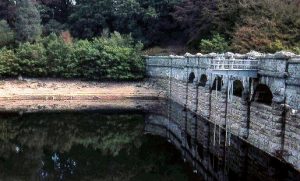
166	145
85	146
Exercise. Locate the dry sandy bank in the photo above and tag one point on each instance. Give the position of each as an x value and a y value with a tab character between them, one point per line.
46	94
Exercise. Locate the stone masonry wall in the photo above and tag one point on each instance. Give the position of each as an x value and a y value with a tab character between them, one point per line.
237	111
273	128
292	123
208	154
265	127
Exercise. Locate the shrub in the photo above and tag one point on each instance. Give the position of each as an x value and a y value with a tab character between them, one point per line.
8	63
32	59
276	46
296	50
113	56
85	57
120	57
58	56
216	44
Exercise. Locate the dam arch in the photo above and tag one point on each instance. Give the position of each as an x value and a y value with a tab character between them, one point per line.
203	80
217	84
191	77
238	88
263	94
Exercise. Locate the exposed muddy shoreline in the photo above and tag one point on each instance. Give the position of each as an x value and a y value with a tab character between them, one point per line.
39	94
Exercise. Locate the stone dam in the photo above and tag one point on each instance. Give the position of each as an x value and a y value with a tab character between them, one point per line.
254	96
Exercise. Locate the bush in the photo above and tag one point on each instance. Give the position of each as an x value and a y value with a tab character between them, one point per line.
32	59
276	46
120	57
58	57
109	57
216	44
8	63
296	50
85	57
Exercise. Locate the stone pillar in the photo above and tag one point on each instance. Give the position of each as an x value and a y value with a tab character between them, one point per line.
278	121
222	102
292	121
207	89
244	127
170	78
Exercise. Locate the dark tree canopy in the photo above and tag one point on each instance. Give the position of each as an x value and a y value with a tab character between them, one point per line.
261	25
7	11
6	34
28	22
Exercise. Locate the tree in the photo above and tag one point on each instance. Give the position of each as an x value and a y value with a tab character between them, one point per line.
28	22
216	44
200	18
144	19
6	34
58	10
90	18
8	11
163	29
53	26
267	26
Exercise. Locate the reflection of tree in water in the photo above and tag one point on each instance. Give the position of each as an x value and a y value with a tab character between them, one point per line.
82	146
60	131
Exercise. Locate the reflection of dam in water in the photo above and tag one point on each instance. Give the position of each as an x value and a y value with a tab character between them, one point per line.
203	145
71	144
87	145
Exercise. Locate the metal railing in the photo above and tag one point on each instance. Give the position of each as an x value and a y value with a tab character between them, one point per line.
218	63
233	64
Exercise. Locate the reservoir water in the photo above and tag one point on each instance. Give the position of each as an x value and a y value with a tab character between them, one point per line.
120	145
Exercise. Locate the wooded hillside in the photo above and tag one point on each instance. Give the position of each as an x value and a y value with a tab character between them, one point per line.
238	25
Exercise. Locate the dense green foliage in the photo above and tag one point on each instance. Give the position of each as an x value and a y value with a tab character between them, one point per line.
138	17
216	44
247	25
6	34
28	27
166	26
261	25
112	56
8	63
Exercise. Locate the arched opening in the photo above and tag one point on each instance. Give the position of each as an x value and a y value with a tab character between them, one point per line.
238	88
203	80
263	94
191	77
218	83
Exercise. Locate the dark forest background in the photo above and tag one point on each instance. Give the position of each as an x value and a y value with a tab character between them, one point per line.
199	25
105	39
